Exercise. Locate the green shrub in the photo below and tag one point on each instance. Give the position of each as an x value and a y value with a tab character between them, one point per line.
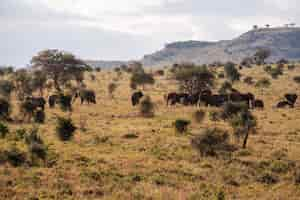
279	166
221	75
20	134
181	125
267	68
267	178
160	72
6	88
211	141
231	72
5	109
297	177
215	115
263	83
33	136
231	108
147	107
248	80
275	72
111	88
243	123
98	69
36	147
226	88
65	129
3	130
291	67
15	157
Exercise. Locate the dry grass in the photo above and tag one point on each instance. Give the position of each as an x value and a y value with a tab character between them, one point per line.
102	162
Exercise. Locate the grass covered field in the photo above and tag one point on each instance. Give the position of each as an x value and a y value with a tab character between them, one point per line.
118	154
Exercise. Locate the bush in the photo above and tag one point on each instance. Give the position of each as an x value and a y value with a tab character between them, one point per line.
136	67
199	116
6	88
211	141
181	125
243	123
160	73
5	109
297	177
261	55
98	69
20	134
15	157
6	70
297	79
268	178
249	80
147	107
111	88
36	146
33	137
231	108
39	116
221	75
3	130
279	166
124	68
214	115
117	69
225	88
231	72
275	72
65	129
263	83
267	68
291	67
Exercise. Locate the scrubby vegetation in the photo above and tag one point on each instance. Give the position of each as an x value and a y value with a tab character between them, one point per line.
191	148
65	129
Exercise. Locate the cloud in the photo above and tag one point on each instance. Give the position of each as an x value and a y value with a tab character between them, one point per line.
123	29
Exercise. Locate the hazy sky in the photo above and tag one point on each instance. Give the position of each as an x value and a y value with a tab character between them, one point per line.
127	29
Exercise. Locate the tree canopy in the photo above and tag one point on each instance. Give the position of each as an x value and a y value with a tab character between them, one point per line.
59	66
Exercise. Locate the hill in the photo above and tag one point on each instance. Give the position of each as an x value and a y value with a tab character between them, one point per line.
283	43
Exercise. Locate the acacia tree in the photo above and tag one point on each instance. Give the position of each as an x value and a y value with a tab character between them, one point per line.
261	55
231	72
142	79
194	79
243	124
60	66
39	81
23	84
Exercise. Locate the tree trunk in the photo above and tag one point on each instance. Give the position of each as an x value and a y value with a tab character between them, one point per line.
246	138
56	84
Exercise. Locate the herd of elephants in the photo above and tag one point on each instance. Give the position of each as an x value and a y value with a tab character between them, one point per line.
207	98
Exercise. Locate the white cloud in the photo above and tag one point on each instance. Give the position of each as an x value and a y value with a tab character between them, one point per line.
153	23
